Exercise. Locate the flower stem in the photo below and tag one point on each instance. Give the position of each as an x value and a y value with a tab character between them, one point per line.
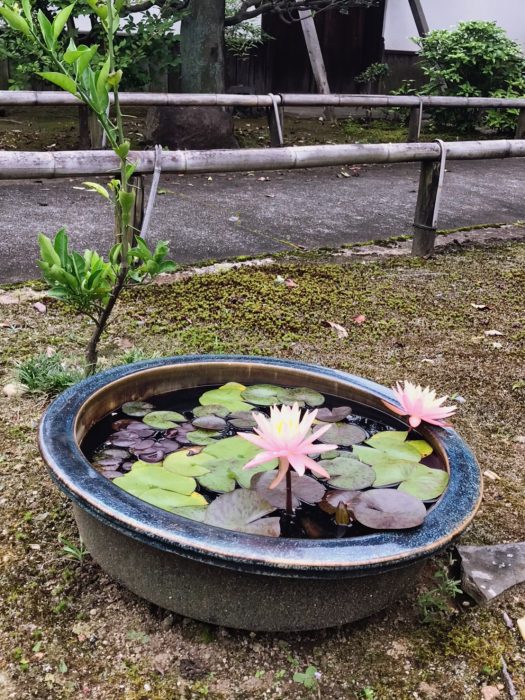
289	509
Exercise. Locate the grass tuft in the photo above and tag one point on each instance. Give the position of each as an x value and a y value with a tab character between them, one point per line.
46	375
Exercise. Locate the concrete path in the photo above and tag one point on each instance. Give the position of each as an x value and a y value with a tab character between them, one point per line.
228	215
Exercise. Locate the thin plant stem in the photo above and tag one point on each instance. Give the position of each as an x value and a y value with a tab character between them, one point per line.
289	509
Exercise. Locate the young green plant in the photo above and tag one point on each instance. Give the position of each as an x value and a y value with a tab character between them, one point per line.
87	282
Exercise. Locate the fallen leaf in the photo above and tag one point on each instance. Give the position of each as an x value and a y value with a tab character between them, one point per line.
493	333
41	308
359	319
288	282
479	307
340	330
521	627
491	475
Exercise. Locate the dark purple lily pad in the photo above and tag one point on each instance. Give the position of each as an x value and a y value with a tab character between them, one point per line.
137	409
152	456
168	446
113	453
243	510
209	423
389	509
243	420
111	473
141	445
334	415
304	488
213	409
344	434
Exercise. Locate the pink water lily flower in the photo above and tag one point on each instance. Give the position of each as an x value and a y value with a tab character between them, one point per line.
420	405
287	437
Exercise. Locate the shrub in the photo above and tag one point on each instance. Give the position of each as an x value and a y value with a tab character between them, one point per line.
475	60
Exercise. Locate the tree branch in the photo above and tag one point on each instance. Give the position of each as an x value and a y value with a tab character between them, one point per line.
287	7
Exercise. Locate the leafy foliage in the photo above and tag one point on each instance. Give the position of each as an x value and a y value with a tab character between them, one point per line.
86	281
47	375
475	60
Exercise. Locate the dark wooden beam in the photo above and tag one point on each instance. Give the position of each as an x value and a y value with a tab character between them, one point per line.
419	17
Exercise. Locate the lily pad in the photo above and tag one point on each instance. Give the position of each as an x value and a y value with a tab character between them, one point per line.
304	488
225	460
211	410
265	394
242	420
334	415
387	509
186	464
392	471
302	394
160	487
402	451
348	473
344	434
387	437
203	437
137	409
334	498
210	423
158	477
422	447
425	483
243	510
228	395
162	420
191	512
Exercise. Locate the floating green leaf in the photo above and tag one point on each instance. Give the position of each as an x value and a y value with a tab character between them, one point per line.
344	434
402	451
425	483
203	437
387	509
243	510
348	473
228	395
163	420
137	409
225	460
392	471
211	410
387	437
185	463
192	512
265	394
161	488
303	394
422	447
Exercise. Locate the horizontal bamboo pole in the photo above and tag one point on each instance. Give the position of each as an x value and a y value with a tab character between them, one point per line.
28	164
28	98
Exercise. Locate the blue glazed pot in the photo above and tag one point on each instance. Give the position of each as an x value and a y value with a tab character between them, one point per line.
231	578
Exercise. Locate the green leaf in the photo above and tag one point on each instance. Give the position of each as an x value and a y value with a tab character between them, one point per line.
425	483
163	420
123	150
186	464
102	78
95	187
228	395
63	81
348	474
61	19
26	6
46	29
15	21
47	251
60	245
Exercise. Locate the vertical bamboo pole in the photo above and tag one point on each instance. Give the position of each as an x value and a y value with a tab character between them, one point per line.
316	57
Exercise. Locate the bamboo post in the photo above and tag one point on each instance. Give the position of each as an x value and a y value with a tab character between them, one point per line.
96	134
274	115
316	57
520	127
431	180
84	141
419	17
414	123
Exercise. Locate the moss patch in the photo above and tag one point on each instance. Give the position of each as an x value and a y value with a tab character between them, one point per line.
69	631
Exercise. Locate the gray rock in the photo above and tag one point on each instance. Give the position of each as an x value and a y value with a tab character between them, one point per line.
486	572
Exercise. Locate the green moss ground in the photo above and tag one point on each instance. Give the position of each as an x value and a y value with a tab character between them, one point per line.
67	631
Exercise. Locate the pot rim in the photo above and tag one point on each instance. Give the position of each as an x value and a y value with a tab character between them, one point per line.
328	558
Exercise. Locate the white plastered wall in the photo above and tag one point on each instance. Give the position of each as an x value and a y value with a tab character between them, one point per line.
445	14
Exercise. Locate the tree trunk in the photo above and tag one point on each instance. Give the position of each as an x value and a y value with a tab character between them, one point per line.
202	70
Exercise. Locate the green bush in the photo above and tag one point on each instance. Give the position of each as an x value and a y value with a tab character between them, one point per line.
475	60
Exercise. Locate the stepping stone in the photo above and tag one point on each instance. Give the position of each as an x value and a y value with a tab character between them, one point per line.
486	572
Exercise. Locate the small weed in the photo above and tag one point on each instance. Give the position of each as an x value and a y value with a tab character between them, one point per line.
435	603
279	675
71	551
309	678
368	693
136	636
136	355
46	375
